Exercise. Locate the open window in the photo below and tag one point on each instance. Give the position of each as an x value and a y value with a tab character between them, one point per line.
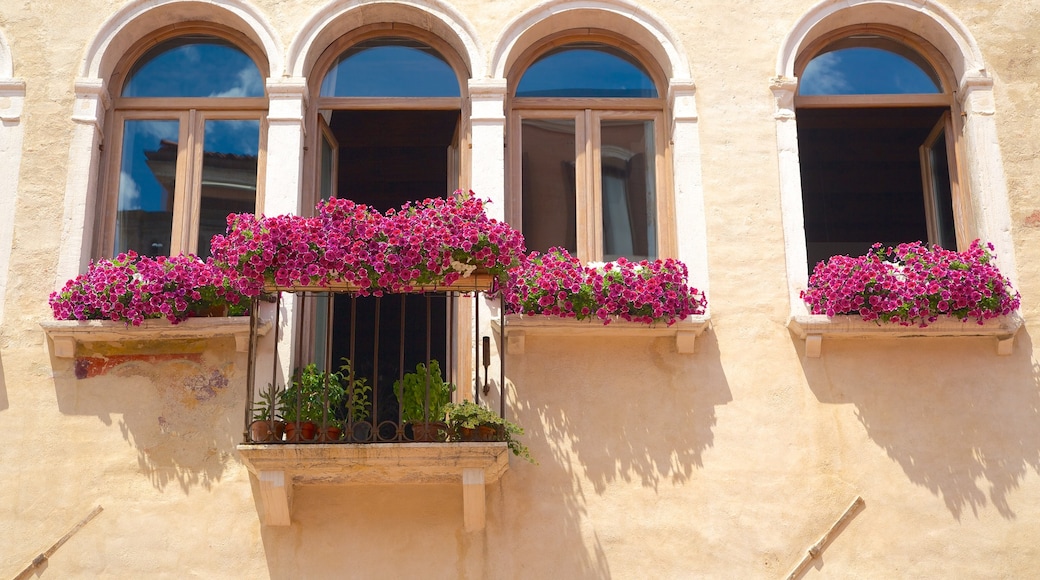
587	160
187	146
877	148
389	127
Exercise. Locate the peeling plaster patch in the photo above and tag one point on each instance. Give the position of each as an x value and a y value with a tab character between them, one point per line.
126	364
205	387
1033	221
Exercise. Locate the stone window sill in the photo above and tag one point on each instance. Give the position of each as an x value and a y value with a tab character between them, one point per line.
813	328
518	327
280	467
65	335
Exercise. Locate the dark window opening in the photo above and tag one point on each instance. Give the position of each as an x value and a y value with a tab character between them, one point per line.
861	172
385	159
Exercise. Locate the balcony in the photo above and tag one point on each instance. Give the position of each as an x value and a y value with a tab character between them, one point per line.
369	391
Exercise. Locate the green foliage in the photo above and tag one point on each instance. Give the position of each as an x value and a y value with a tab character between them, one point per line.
470	415
411	393
306	398
268	406
357	394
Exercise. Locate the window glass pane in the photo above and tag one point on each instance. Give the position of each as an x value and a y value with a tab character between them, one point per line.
586	70
325	178
194	66
228	175
868	66
390	67
629	189
548	177
942	194
147	182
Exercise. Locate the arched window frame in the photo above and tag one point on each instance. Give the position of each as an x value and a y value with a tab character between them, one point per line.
312	344
327	59
971	85
587	112
946	97
192	113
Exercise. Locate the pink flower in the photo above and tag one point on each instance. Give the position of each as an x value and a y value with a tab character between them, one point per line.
912	284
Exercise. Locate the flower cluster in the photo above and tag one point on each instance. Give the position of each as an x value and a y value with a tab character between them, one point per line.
558	284
435	241
132	288
912	284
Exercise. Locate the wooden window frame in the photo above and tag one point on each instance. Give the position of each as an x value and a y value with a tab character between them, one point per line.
964	220
587	113
192	113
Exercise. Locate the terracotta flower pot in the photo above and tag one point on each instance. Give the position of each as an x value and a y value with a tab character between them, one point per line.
331	434
263	432
428	432
299	432
481	433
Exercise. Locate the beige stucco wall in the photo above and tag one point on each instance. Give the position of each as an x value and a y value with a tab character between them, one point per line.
727	463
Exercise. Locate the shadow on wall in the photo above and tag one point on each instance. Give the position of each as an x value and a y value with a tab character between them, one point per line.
628	418
175	407
960	421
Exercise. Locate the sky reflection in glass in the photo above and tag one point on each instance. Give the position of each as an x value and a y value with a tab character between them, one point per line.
586	70
194	66
865	71
390	67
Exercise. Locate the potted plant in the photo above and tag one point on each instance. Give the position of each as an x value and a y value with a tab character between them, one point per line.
468	421
414	390
357	402
267	424
310	400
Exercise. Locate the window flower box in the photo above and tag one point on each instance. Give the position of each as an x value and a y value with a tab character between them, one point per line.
435	244
910	290
132	289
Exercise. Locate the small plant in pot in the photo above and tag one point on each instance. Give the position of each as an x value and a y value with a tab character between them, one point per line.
267	425
311	401
357	403
469	421
414	390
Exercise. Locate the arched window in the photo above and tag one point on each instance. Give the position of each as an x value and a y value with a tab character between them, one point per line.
388	130
877	147
587	151
187	146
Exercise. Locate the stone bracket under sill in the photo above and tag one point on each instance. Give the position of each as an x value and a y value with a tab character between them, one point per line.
814	327
66	334
519	327
281	467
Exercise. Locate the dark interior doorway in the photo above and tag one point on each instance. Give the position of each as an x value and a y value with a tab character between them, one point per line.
385	159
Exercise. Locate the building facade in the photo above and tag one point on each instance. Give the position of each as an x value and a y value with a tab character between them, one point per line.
755	145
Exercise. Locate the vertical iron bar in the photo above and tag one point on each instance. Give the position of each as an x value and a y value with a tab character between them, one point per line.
476	346
250	370
375	356
502	355
353	336
299	305
426	409
449	352
328	335
400	371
